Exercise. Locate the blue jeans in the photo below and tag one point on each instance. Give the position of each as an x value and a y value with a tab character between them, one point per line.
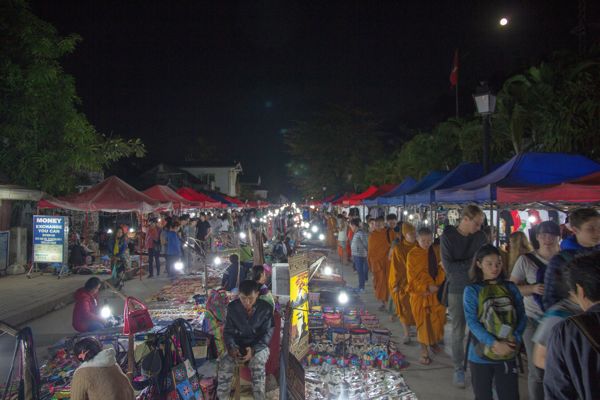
95	326
153	259
360	263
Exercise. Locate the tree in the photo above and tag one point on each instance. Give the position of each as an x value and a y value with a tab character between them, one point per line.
45	141
332	150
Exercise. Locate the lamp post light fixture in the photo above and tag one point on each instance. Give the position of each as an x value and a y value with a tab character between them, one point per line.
485	102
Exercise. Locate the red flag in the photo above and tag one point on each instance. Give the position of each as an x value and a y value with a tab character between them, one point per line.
454	72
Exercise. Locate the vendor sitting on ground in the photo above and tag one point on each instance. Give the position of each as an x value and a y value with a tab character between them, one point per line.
85	313
99	377
234	274
247	333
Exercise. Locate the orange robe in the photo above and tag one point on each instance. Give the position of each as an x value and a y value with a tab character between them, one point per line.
379	263
331	228
429	314
398	279
349	244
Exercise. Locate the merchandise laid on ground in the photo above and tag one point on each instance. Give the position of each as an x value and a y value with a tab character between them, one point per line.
348	348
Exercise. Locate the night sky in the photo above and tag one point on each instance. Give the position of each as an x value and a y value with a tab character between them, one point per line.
240	73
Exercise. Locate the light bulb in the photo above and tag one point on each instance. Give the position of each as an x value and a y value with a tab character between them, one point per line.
105	312
503	21
131	230
410	216
253	220
426	222
314	229
242	235
109	231
532	219
178	265
217	261
308	235
327	270
343	298
321	237
405	212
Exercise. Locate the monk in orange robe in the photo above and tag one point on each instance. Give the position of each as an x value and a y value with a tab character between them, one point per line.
331	231
425	276
398	280
379	263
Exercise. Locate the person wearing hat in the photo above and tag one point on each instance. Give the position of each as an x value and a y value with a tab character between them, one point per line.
528	275
152	245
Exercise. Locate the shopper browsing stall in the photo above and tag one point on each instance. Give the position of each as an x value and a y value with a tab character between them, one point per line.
495	314
153	247
173	247
260	277
425	277
85	312
99	377
247	333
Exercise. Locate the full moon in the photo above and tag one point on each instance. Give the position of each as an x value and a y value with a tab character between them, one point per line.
503	21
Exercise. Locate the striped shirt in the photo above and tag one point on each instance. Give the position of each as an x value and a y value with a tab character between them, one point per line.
360	243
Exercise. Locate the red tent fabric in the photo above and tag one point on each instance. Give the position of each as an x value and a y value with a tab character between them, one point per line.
256	204
381	190
582	190
234	200
358	198
165	194
341	200
190	194
110	195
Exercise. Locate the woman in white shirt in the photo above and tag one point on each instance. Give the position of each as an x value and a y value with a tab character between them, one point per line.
528	275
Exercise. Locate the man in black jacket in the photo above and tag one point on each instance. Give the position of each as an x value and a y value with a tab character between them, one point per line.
247	333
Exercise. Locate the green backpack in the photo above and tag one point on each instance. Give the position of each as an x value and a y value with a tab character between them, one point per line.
497	313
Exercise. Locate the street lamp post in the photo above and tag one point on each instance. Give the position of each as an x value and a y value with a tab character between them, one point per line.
485	102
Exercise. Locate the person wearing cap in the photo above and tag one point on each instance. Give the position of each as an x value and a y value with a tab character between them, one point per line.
528	275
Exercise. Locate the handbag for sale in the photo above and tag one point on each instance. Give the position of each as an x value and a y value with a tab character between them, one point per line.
380	336
360	336
332	320
136	317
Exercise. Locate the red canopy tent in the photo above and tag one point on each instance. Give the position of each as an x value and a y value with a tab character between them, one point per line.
341	200
234	200
190	194
110	195
358	198
165	194
382	190
582	190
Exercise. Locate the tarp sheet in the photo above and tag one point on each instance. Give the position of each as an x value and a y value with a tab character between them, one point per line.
394	196
110	195
165	194
582	190
190	194
525	169
463	173
358	198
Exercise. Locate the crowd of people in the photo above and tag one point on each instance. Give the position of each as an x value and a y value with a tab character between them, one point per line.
539	296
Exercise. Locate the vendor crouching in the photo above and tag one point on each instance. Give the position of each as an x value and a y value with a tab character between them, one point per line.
85	313
247	333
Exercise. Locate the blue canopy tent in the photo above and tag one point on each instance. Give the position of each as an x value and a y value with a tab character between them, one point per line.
522	170
424	184
465	172
399	190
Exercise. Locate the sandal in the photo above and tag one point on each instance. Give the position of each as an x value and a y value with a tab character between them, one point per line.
425	360
436	349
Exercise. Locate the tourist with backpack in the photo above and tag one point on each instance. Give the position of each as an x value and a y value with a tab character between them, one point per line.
585	223
528	275
573	358
495	315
